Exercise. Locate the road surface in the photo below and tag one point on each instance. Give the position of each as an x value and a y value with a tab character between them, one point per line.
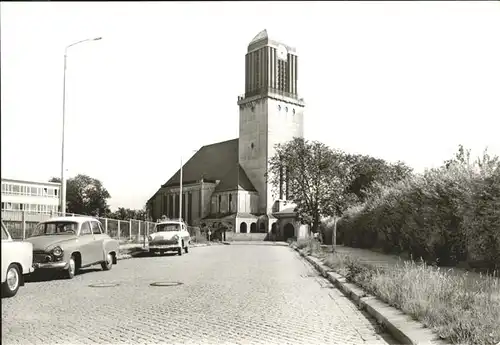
229	295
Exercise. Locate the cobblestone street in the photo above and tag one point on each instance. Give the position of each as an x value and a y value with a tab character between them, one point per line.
229	294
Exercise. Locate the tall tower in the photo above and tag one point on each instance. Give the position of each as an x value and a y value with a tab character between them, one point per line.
271	111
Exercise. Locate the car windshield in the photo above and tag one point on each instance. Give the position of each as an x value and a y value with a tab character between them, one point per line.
55	228
168	227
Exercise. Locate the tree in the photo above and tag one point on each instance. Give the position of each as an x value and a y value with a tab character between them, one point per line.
370	174
85	195
316	178
127	213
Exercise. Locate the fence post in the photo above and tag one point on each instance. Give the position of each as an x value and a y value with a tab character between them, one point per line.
23	215
106	225
139	231
118	229
130	229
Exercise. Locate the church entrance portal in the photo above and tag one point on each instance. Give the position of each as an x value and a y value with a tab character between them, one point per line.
289	231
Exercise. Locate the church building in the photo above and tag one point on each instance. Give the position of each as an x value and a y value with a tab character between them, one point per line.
225	183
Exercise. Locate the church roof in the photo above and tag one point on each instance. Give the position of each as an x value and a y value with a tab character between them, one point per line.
213	162
235	179
260	36
263	38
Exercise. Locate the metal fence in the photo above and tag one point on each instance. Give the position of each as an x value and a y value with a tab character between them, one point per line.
22	223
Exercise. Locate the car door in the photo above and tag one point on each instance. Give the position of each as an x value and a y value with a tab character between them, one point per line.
99	238
184	234
86	244
7	252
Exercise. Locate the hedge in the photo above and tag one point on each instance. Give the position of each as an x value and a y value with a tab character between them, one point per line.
445	216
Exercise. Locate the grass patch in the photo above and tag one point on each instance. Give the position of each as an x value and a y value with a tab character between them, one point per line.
456	309
309	247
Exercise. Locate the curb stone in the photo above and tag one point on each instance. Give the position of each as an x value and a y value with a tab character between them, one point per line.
401	326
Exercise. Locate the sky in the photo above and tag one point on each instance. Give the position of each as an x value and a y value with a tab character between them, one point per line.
403	81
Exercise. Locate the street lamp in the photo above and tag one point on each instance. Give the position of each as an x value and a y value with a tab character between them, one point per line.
63	180
180	190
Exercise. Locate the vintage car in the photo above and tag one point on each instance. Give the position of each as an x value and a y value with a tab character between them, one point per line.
72	243
17	261
169	235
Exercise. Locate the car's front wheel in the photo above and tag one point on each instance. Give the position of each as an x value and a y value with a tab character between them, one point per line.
12	282
71	271
106	265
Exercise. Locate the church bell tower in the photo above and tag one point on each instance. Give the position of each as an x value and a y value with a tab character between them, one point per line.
271	111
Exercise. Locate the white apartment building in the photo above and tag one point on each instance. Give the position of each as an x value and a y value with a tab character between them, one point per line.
31	196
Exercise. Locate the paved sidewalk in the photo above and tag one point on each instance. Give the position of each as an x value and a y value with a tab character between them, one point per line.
140	246
257	243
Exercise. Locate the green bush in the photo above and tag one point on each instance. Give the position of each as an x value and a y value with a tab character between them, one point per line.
444	216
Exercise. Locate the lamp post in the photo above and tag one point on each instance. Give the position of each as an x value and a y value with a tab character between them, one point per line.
180	194
63	180
180	190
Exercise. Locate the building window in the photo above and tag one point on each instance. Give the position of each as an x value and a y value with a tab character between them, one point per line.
230	202
220	201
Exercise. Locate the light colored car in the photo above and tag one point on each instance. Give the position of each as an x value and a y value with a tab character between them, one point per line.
169	235
72	243
17	261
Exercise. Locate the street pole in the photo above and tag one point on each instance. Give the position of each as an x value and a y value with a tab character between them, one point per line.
180	193
62	192
334	241
63	177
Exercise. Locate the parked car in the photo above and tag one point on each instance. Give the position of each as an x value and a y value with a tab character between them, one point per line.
169	235
72	243
17	262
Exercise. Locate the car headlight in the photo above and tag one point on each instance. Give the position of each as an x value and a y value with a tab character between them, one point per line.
150	238
175	238
57	251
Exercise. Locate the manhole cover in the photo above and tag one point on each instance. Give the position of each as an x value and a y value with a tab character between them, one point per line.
103	285
165	284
